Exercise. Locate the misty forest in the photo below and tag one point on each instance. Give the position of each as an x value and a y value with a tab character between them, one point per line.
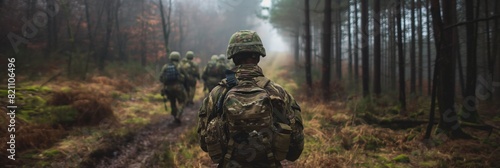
380	83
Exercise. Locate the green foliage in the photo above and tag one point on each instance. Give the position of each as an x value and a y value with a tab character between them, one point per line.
65	114
165	157
370	142
361	106
402	158
136	120
50	153
120	96
34	88
192	136
32	107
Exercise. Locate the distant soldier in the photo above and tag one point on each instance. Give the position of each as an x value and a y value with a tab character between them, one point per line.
229	64
193	74
213	73
173	78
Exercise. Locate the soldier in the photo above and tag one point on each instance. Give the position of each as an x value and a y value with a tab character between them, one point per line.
248	120
213	73
229	64
193	74
173	78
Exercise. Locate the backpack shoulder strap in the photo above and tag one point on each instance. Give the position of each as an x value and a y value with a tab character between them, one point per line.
231	81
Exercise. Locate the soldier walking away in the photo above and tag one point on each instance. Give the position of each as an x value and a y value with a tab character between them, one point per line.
193	75
173	78
213	73
229	64
248	120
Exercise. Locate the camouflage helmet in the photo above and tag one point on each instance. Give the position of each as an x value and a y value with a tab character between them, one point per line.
214	58
245	41
174	56
189	55
222	55
221	58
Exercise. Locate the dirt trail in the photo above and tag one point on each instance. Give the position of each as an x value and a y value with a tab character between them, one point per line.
140	150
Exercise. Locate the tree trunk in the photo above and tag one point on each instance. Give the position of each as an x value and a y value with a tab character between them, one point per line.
491	62
144	34
109	28
420	50
429	60
356	45
392	44
460	75
448	122
401	60
91	38
165	24
67	12
469	106
377	51
51	28
338	44
120	39
364	49
181	38
327	37
31	9
308	47
349	36
412	51
496	52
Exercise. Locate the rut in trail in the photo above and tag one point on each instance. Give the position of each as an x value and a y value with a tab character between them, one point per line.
140	150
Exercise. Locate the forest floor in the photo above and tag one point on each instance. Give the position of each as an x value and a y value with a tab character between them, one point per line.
131	128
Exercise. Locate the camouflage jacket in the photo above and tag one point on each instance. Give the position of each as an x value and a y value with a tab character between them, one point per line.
214	71
281	100
191	68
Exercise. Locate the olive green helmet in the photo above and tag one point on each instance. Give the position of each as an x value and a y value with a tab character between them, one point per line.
190	55
245	41
174	56
221	58
214	58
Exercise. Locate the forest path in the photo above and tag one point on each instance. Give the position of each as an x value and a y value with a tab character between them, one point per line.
150	140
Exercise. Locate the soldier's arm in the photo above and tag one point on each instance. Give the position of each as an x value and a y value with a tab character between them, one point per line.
297	137
202	125
161	73
197	72
205	73
183	72
206	108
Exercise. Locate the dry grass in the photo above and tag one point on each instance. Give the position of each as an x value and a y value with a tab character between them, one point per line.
93	106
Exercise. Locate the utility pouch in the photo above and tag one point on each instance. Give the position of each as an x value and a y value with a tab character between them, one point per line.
281	140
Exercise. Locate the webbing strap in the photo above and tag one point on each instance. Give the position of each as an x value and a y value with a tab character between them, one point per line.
229	153
270	156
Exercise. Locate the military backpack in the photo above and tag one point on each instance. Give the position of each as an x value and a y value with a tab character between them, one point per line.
244	128
170	74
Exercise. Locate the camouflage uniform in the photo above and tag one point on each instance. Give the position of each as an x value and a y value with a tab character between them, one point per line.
213	73
176	92
193	74
281	100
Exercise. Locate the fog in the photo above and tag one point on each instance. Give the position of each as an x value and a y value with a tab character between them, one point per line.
132	30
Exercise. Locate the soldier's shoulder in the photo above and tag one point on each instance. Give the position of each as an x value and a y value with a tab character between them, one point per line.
277	88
